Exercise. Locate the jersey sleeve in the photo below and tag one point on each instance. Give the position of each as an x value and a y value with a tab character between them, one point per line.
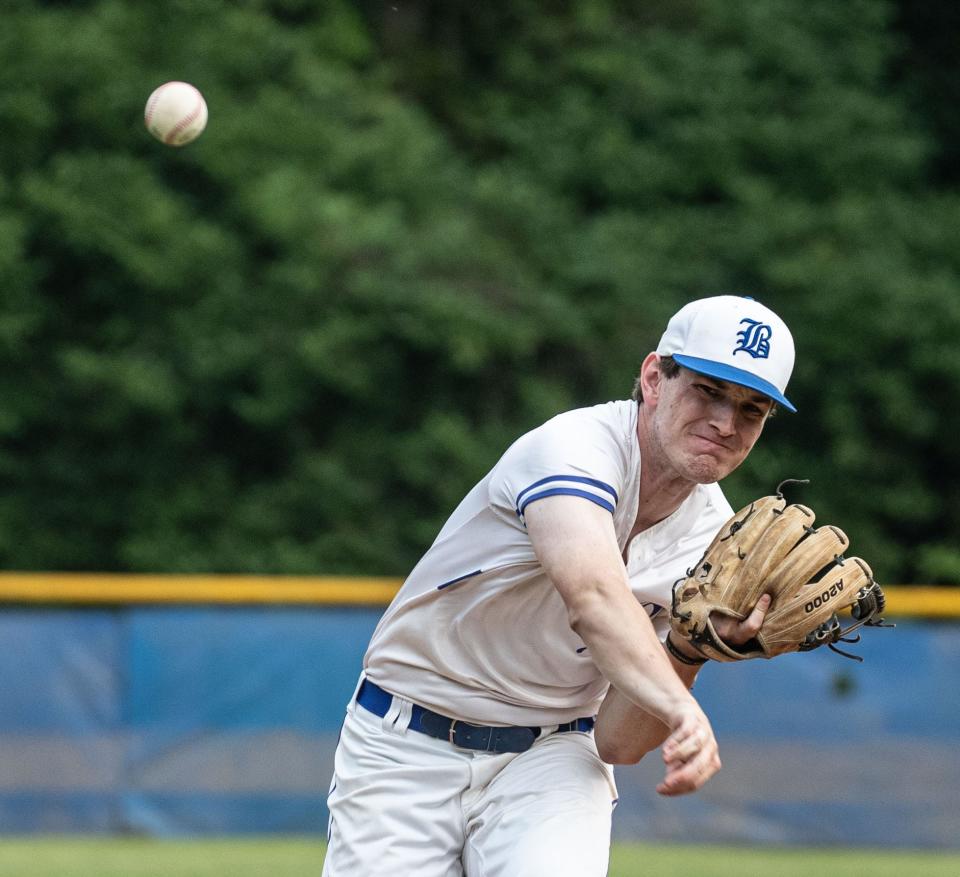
574	454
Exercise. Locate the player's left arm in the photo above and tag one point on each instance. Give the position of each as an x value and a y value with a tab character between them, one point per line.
624	733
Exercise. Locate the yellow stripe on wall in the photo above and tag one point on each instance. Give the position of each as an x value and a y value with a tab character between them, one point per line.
923	601
112	588
137	589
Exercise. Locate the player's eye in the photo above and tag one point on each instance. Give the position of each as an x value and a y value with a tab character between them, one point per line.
708	391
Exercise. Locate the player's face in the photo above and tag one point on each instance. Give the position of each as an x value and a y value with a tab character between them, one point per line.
703	427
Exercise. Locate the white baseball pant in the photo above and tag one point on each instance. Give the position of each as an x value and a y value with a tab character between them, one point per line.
405	804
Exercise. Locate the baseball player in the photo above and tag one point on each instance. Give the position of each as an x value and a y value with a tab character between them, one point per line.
527	652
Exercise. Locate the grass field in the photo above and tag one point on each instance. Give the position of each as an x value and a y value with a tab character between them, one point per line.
286	857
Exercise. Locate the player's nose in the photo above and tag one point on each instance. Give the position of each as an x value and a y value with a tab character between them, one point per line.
723	417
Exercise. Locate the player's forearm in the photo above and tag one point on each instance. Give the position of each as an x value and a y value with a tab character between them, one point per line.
577	547
627	651
625	733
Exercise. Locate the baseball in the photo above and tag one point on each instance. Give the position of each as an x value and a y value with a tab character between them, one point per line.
176	113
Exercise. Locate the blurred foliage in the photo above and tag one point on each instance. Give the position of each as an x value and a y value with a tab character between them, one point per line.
928	74
414	230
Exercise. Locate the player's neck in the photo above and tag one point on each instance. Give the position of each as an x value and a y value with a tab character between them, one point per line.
661	494
662	488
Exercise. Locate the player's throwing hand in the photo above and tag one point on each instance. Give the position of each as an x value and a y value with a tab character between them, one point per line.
690	753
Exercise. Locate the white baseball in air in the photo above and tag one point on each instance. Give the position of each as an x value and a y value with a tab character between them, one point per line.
176	113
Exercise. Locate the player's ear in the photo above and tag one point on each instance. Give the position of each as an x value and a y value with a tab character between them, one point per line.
651	379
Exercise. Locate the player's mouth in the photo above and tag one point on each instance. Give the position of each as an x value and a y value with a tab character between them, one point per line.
710	445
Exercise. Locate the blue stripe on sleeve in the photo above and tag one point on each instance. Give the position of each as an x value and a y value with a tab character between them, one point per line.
579	479
567	491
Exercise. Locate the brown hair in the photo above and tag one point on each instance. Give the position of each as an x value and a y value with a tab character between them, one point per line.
669	368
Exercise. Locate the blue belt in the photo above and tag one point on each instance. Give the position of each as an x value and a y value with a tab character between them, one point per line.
484	738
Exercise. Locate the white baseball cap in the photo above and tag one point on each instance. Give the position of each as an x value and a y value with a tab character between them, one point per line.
733	338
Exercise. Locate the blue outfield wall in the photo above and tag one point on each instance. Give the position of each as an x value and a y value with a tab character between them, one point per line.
192	721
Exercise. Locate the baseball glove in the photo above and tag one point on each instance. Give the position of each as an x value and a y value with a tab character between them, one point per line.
772	547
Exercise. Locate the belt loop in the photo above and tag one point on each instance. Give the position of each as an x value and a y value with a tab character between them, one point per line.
397	718
406	711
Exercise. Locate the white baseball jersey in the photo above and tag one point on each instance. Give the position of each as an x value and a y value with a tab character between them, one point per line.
478	632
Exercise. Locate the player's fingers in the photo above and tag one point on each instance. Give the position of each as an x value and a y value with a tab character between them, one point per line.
692	762
736	632
683	748
684	741
691	737
751	625
682	778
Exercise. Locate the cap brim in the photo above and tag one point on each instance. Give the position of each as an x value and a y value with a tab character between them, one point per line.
724	372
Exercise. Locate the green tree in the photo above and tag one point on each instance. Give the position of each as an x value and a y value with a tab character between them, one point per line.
709	147
414	230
